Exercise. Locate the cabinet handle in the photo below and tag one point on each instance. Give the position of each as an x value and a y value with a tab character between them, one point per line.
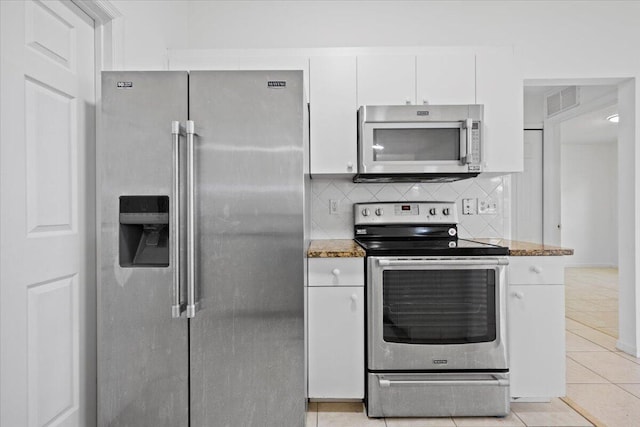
335	272
354	297
536	269
518	295
349	165
425	102
407	101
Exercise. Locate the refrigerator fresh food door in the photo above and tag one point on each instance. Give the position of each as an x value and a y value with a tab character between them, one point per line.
247	337
143	360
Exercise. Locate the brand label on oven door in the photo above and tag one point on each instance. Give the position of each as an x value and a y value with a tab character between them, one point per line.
473	168
440	361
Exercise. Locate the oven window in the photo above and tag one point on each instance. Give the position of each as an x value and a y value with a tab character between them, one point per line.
416	144
439	306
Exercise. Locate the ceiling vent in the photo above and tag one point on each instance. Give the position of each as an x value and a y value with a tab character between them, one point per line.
562	100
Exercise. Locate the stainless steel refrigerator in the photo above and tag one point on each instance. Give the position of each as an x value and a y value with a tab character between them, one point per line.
201	243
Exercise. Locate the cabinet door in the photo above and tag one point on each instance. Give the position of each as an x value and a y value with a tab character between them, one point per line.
499	87
336	342
446	78
536	343
386	80
333	114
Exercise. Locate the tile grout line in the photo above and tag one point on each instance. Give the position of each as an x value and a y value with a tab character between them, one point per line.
588	369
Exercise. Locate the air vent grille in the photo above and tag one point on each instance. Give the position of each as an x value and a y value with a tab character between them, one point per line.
562	100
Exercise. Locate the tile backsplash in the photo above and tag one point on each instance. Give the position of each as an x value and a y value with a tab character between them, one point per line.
339	225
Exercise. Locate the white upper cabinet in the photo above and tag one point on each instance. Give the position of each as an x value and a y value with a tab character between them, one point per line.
499	88
386	80
446	78
333	112
342	83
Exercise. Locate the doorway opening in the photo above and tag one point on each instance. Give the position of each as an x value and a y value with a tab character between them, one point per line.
581	145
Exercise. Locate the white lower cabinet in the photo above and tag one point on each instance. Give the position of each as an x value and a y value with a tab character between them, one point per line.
336	332
536	327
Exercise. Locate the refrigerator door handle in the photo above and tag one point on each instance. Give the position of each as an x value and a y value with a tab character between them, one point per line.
192	305
177	306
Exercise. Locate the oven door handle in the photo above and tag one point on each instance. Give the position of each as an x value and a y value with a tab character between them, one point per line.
425	262
494	382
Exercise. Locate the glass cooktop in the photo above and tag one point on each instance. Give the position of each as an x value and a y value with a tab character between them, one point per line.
430	247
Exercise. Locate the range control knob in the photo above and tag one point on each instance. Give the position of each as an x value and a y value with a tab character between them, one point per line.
432	211
365	212
379	211
445	211
452	232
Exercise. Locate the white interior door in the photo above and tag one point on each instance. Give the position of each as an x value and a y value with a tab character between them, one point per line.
528	191
47	225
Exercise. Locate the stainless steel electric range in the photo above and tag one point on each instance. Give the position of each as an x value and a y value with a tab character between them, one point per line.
435	314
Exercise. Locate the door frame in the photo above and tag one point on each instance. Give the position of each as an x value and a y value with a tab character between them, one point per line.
108	51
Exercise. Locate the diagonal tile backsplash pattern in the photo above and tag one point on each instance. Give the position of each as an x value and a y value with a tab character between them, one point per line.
325	225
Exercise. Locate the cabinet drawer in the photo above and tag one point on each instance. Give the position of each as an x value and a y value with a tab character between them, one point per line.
536	270
336	271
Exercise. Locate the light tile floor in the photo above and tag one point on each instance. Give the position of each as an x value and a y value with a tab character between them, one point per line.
603	383
592	298
601	380
554	413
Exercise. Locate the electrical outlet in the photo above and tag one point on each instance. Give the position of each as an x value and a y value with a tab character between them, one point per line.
469	206
334	205
487	206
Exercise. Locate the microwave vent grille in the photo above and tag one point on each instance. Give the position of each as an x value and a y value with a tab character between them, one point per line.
562	100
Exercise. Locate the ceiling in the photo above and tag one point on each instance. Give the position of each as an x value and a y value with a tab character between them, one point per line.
591	128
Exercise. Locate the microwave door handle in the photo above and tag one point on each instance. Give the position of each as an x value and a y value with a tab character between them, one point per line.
466	159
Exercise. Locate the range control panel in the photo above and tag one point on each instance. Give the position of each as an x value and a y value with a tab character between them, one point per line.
405	213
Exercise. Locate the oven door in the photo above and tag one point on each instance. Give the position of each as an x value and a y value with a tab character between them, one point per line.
436	314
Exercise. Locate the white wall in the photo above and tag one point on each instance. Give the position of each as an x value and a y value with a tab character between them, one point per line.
589	200
554	40
534	107
150	28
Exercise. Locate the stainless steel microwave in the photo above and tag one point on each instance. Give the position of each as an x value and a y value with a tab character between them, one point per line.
419	143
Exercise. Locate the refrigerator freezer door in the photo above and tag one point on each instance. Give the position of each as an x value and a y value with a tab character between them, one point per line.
142	351
247	339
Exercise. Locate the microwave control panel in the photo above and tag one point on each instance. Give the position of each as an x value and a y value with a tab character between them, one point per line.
475	144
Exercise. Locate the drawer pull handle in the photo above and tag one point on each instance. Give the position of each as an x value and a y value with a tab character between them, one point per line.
518	295
335	272
536	269
354	297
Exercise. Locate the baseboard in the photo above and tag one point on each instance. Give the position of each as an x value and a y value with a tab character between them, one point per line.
531	399
629	349
590	265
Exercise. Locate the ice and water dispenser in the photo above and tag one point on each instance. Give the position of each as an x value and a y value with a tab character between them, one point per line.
144	231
